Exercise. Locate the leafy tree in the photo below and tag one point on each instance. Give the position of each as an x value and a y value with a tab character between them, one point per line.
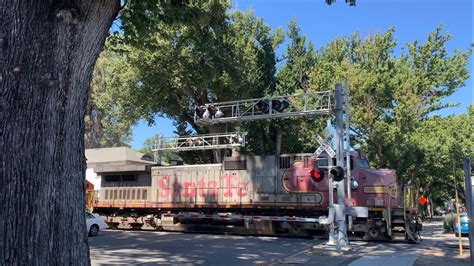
165	156
442	141
184	62
292	77
391	96
109	116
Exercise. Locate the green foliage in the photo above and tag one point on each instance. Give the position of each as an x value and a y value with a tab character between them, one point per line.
392	99
165	156
195	53
183	54
278	136
442	141
109	116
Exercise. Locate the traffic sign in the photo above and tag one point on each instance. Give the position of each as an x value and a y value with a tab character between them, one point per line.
325	145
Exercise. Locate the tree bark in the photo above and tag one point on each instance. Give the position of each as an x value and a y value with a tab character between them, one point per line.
47	53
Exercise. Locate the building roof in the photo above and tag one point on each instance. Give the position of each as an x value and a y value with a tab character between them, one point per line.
116	154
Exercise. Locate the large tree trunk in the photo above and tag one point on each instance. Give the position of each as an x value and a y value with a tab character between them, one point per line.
47	53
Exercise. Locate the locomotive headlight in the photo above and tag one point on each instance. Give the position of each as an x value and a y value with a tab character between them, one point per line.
199	111
262	105
219	113
206	114
354	184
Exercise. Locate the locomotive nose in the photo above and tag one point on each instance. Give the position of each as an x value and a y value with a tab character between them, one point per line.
298	178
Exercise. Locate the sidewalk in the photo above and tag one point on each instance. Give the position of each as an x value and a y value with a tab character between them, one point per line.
436	248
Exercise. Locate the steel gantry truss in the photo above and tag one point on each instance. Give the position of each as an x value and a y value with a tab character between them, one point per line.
200	142
319	103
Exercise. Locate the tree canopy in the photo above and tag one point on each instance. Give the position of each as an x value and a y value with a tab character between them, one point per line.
187	54
109	114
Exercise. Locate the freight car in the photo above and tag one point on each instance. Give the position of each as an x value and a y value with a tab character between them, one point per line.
270	195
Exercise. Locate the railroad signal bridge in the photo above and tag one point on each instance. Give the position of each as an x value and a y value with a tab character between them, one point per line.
319	103
200	142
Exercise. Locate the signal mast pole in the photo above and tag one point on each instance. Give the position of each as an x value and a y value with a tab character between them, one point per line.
339	208
348	150
332	235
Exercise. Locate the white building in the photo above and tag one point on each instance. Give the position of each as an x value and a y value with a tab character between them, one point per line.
112	162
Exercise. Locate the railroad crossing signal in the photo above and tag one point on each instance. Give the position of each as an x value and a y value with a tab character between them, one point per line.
324	145
337	172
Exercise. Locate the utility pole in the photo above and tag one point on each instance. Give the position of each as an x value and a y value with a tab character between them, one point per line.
458	218
469	202
340	208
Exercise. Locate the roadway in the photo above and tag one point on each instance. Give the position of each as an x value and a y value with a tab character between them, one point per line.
140	247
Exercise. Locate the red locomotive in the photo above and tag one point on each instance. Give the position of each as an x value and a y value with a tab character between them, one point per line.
270	195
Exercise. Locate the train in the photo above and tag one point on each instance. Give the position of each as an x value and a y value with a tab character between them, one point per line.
252	194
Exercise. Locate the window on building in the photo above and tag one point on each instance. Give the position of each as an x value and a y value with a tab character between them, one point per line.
129	178
112	178
120	178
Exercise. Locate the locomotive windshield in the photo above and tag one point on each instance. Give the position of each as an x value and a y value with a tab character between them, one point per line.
363	164
322	162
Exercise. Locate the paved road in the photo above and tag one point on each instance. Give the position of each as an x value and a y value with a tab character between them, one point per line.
136	247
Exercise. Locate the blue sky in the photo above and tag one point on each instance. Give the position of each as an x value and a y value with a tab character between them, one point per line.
412	20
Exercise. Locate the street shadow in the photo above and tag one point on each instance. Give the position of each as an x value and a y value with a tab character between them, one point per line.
138	247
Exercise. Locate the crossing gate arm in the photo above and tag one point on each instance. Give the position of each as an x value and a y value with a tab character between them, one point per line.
234	217
353	211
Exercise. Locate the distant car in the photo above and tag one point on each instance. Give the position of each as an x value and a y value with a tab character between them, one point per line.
464	224
94	223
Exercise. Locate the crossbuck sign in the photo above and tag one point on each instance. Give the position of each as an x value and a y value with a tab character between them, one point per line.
324	145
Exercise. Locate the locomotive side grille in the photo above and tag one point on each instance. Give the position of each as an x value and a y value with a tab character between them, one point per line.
125	194
285	161
306	162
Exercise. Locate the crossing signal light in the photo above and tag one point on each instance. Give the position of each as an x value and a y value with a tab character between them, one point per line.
199	111
263	106
279	105
317	175
337	172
